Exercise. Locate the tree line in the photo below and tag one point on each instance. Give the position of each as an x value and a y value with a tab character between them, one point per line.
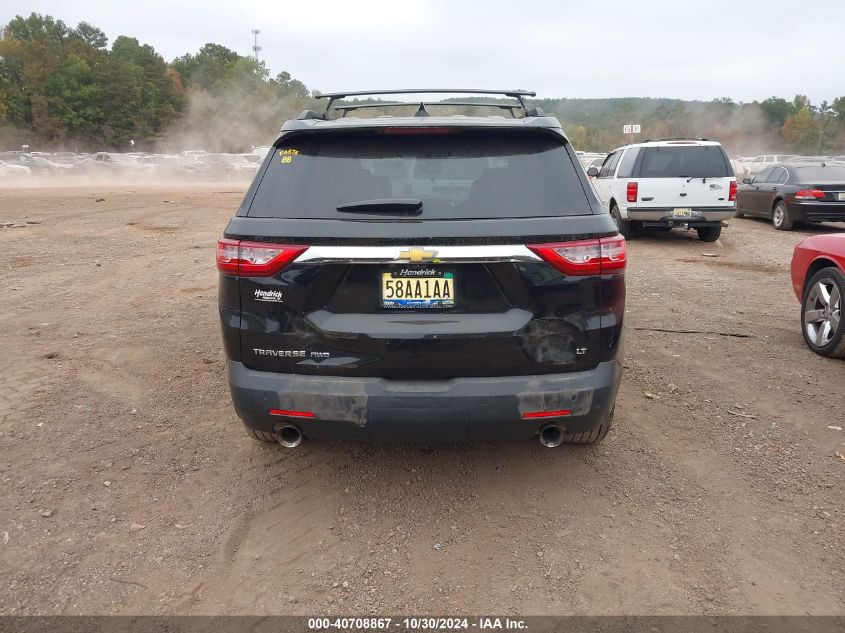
65	87
774	125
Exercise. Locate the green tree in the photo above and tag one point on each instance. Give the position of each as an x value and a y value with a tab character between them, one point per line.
290	87
38	28
838	108
73	96
90	35
801	131
577	136
776	110
801	102
211	68
60	83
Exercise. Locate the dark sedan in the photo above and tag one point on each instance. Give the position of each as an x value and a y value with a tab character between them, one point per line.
794	192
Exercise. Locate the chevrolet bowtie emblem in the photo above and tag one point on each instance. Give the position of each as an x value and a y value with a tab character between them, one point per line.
417	255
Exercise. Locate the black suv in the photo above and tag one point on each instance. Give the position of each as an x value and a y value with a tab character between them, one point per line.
423	278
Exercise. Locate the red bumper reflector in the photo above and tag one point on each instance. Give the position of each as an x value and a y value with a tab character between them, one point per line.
292	414
545	414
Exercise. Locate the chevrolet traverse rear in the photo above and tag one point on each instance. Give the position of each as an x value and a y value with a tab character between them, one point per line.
426	277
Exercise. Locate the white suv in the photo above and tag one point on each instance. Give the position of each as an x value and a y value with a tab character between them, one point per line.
668	183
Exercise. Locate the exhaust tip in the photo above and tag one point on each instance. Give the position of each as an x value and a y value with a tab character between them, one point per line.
289	436
551	436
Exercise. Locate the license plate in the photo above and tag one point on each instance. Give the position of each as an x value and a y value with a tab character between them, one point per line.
840	195
681	213
405	289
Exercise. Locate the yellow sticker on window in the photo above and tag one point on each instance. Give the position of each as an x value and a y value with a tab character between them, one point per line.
287	159
287	154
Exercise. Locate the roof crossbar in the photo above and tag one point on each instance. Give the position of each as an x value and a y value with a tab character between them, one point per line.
336	96
346	109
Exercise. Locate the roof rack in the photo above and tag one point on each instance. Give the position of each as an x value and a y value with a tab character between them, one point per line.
335	96
422	105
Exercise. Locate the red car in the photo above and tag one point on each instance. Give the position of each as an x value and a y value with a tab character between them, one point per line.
818	278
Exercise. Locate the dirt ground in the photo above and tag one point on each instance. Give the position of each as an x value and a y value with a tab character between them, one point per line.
720	494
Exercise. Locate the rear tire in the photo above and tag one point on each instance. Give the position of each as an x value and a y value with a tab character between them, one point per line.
622	225
781	219
831	344
709	233
261	436
591	437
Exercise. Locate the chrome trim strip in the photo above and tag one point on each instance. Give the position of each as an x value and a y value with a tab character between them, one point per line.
390	254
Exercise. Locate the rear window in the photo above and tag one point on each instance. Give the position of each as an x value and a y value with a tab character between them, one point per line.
819	173
697	161
456	174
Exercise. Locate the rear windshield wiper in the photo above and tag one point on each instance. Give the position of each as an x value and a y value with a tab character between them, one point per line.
387	206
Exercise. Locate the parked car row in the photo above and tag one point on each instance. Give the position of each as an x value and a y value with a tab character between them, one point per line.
689	183
192	164
34	164
10	170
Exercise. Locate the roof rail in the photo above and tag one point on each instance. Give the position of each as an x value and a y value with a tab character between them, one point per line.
335	96
346	109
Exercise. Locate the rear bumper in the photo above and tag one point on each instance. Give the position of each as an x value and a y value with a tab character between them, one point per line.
817	211
460	409
701	216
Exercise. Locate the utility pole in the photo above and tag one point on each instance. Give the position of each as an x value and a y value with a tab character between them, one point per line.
255	47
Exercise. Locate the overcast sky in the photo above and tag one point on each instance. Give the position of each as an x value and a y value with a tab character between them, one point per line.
743	49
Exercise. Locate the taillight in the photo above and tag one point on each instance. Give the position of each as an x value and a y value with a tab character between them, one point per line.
809	194
631	191
254	259
732	192
585	257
